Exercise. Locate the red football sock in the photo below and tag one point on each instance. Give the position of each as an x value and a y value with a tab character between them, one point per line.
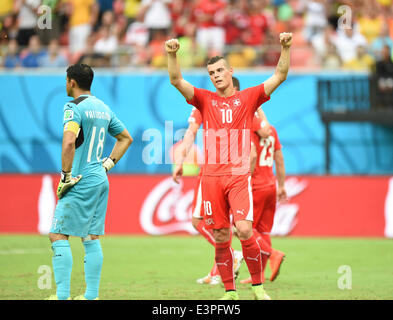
206	233
224	261
252	256
263	241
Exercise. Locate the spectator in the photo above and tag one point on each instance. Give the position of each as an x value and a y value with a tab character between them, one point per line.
190	53
34	54
130	9
12	58
8	28
321	41
53	58
380	42
254	33
331	59
370	23
210	34
137	37
362	62
82	18
6	8
137	34
107	19
384	79
156	16
236	21
46	35
315	17
107	43
157	49
27	19
92	58
242	57
182	17
103	6
347	41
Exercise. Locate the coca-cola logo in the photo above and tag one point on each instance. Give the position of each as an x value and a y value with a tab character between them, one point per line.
167	209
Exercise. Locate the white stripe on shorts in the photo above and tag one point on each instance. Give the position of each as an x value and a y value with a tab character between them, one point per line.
197	209
250	215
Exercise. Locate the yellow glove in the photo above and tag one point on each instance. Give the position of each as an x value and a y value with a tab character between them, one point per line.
66	182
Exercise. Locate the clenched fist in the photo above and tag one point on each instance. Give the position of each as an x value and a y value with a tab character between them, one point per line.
172	45
286	39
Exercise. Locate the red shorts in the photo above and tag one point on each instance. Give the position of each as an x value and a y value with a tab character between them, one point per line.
224	194
197	209
264	208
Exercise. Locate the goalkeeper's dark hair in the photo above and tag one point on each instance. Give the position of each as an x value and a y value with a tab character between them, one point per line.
82	74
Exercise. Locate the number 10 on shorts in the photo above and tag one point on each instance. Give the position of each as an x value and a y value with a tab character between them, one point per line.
207	208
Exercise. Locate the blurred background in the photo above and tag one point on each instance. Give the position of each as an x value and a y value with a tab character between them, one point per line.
334	113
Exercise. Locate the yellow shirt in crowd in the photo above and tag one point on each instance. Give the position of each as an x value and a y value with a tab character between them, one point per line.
81	12
5	7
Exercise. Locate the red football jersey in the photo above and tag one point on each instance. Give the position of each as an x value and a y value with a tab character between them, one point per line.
227	124
195	117
263	175
208	9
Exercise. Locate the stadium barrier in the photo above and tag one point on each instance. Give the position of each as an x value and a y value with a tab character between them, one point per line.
155	205
31	121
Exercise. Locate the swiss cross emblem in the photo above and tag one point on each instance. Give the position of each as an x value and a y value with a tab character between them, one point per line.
236	102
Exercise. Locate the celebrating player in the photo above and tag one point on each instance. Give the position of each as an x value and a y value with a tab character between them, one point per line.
264	152
183	151
226	182
81	208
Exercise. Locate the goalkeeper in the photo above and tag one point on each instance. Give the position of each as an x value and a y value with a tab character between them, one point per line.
83	187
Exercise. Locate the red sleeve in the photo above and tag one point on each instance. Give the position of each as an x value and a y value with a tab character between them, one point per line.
277	144
195	117
257	96
198	100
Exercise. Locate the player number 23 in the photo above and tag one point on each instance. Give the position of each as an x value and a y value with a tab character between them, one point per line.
267	147
100	145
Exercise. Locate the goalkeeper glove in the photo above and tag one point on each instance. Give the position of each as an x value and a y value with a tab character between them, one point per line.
66	182
108	163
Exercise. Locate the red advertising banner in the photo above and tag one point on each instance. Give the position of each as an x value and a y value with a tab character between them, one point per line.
142	204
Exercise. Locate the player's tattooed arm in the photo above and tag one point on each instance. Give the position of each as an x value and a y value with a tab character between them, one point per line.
175	76
282	68
280	174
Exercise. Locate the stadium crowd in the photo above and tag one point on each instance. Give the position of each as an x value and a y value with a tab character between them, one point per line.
131	33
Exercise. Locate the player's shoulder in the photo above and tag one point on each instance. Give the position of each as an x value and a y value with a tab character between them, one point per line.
274	131
74	103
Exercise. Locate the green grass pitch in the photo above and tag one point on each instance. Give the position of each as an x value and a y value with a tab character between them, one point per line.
166	268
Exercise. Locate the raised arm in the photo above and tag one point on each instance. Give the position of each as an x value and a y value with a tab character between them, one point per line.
175	76
282	68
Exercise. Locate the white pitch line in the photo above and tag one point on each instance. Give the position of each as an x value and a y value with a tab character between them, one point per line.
22	251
